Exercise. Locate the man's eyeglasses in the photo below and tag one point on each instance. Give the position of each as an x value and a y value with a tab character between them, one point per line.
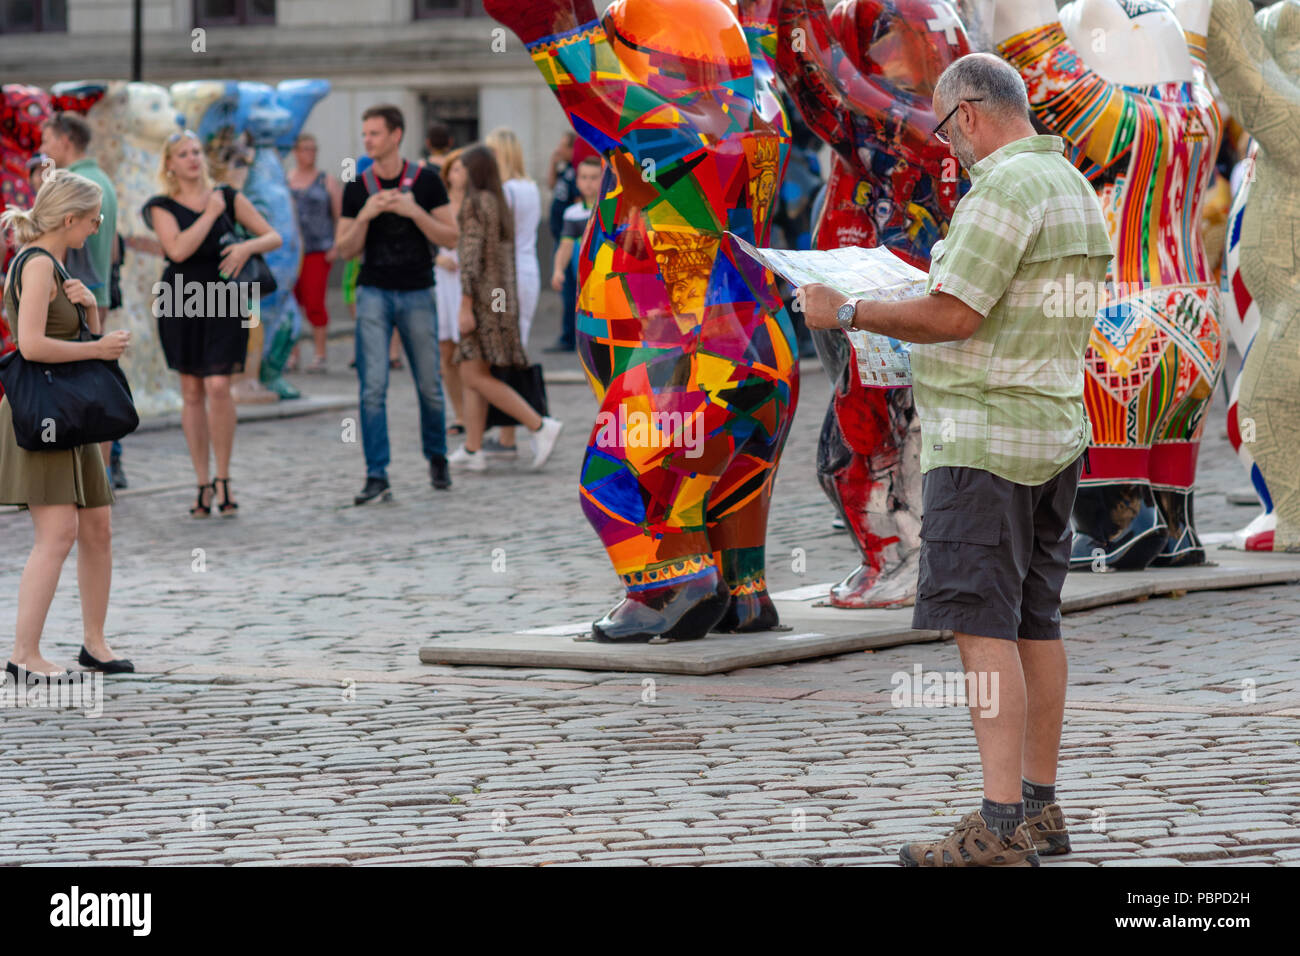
939	134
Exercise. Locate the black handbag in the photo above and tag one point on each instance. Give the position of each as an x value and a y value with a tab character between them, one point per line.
528	382
61	405
255	269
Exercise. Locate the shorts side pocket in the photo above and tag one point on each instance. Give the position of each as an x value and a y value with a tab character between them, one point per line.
960	557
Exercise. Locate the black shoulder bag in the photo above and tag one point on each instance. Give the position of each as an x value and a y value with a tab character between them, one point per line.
62	405
255	269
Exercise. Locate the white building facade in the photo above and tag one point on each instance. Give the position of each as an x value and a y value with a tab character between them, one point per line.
435	59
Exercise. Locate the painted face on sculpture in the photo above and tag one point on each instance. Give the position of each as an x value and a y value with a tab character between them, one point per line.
907	43
685	260
1130	42
882	210
22	111
675	46
763	181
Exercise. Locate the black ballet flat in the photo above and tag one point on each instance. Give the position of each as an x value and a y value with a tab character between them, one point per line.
118	665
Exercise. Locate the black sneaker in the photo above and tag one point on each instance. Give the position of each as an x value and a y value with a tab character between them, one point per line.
375	488
115	472
438	472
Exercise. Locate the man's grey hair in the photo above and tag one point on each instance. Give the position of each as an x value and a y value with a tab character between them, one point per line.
986	77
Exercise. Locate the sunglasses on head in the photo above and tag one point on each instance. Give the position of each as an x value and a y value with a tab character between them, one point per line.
174	137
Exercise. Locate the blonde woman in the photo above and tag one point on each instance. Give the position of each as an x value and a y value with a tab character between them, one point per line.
191	218
525	202
65	491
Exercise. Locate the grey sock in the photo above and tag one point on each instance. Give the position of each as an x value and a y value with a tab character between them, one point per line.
1003	818
1037	796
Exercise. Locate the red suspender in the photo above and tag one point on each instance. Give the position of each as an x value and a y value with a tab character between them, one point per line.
405	180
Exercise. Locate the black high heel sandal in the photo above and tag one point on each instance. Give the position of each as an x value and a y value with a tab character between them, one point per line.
227	507
201	510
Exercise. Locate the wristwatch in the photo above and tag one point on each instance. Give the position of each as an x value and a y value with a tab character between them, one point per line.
845	313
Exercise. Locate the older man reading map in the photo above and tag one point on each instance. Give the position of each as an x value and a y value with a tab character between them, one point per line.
999	387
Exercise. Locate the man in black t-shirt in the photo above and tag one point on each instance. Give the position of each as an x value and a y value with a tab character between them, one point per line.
391	213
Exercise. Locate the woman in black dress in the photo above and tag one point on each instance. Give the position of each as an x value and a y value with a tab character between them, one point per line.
205	338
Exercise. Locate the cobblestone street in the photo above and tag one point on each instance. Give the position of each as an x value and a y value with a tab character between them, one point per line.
280	713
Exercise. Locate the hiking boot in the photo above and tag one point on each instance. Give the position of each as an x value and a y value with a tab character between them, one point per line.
375	488
972	843
1048	831
438	473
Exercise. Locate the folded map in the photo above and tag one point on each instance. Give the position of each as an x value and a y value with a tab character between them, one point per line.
860	274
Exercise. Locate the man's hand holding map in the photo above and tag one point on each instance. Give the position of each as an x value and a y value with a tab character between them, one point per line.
859	274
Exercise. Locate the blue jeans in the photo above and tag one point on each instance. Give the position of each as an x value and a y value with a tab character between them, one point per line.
569	318
411	312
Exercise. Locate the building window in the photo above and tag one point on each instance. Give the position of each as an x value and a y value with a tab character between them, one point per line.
222	13
427	9
458	110
33	16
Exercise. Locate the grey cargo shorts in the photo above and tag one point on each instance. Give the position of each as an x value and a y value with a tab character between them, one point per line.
994	554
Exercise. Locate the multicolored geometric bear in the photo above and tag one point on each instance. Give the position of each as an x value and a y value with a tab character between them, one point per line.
862	80
684	340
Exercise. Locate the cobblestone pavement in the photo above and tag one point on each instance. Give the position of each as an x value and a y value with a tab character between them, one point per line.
281	714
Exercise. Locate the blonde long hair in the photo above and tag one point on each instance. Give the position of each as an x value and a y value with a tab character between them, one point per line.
509	154
62	193
169	183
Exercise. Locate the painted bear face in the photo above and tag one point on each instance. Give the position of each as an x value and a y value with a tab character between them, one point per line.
148	110
1280	25
907	43
22	111
674	46
264	119
1143	40
298	97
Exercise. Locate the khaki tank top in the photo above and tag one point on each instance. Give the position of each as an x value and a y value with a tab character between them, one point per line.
61	320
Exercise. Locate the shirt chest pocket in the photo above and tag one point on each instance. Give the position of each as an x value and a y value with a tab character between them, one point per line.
936	254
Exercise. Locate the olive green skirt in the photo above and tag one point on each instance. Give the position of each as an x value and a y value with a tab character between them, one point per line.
74	476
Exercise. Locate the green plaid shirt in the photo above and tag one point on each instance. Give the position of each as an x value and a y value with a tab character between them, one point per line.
1027	237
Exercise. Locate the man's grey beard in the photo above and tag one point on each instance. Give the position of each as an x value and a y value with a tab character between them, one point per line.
961	148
